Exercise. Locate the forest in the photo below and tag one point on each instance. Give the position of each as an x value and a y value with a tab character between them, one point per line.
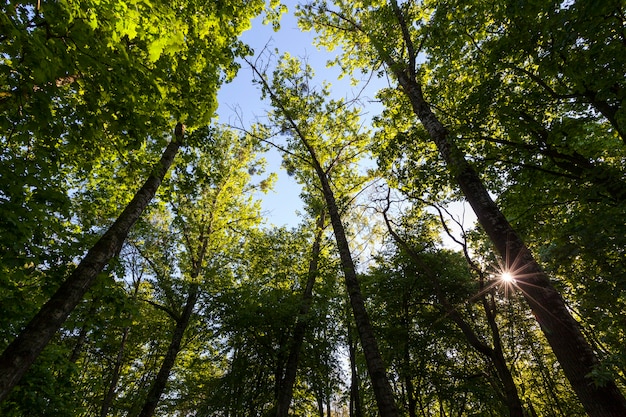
139	275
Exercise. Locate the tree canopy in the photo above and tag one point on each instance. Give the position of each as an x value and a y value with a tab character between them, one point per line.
140	276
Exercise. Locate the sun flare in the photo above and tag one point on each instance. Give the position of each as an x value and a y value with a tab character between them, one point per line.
507	277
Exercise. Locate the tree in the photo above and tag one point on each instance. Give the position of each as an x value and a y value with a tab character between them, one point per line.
255	319
545	113
213	211
288	379
363	32
492	353
22	352
116	77
297	109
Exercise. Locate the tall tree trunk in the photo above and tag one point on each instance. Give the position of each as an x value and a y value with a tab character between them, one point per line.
574	353
119	359
328	405
408	375
320	403
156	391
80	342
356	410
513	401
493	355
557	406
286	387
22	352
82	335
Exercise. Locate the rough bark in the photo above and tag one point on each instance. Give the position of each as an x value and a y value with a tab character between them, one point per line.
22	352
285	394
160	382
561	330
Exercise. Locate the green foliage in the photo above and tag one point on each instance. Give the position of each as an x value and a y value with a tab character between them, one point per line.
332	129
254	319
90	93
537	97
532	93
88	86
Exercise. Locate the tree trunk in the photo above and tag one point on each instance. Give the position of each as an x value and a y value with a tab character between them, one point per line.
511	395
286	387
355	398
115	375
156	391
320	403
375	366
119	359
408	375
82	335
328	405
547	379
495	356
513	401
22	352
561	330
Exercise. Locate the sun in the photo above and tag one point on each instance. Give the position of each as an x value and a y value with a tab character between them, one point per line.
507	277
